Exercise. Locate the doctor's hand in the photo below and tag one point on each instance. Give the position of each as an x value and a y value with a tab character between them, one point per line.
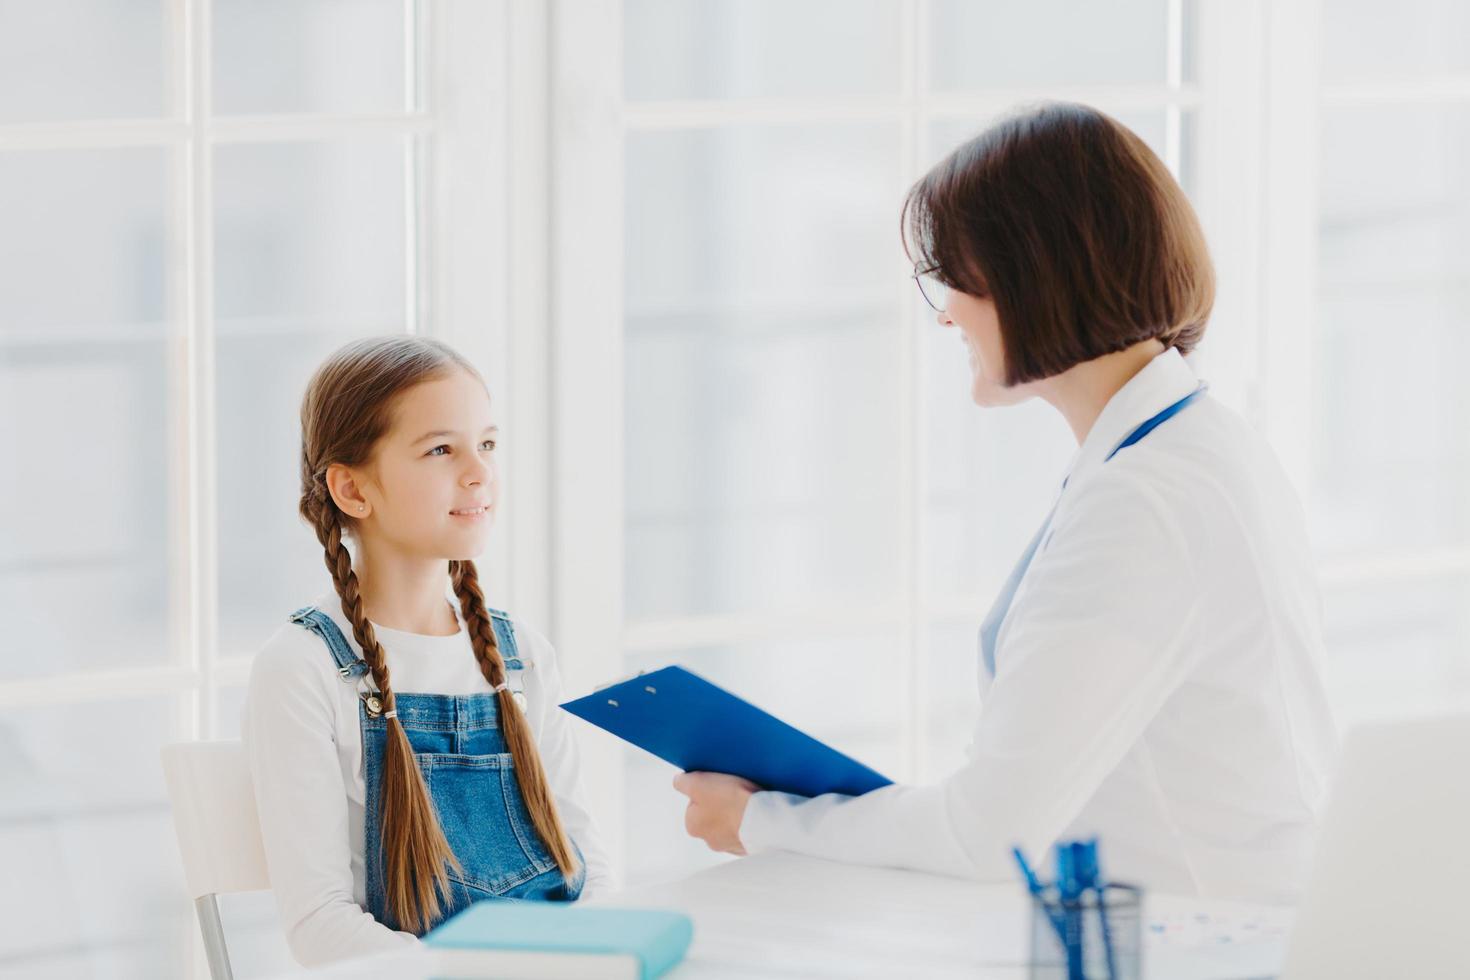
716	807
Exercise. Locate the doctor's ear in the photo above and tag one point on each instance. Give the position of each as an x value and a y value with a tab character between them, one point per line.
346	494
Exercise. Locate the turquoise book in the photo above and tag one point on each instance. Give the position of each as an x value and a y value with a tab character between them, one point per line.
542	940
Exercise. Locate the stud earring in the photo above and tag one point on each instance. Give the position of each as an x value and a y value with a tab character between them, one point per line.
361	508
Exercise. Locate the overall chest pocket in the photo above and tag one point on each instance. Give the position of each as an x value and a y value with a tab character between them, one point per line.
485	820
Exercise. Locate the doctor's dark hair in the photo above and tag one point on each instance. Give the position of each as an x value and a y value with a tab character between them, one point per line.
348	407
1074	228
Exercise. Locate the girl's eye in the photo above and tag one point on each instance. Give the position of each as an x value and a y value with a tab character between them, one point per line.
435	451
488	445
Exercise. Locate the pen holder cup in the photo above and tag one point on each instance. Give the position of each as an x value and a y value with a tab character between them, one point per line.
1085	939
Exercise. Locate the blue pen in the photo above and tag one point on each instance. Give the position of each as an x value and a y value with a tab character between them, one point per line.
1091	877
1071	893
1033	884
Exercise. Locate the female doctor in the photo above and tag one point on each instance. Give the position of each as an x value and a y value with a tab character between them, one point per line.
1152	671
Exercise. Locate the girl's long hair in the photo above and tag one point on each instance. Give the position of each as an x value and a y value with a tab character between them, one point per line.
348	407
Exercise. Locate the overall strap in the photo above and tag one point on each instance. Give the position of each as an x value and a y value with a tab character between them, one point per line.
349	665
505	638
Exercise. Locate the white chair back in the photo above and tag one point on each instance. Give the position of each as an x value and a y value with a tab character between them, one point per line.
218	830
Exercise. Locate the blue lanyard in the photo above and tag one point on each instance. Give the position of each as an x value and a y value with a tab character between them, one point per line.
990	629
1137	434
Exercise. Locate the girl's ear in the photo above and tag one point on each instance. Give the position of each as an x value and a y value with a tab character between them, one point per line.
346	494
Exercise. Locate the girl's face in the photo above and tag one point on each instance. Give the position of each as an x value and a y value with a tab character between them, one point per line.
979	328
431	487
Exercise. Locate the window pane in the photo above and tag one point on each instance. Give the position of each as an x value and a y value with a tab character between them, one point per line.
993	477
83	244
1392	469
1046	43
784	214
284	56
763	417
81	59
310	241
1369	39
310	230
86	494
952	705
1399	649
860	712
711	49
93	882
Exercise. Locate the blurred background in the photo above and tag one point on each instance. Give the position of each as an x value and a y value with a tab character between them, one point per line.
667	230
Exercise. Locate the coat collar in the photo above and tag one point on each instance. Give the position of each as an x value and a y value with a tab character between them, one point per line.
1161	383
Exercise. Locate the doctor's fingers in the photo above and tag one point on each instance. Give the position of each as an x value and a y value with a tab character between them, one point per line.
693	784
692	820
703	824
708	785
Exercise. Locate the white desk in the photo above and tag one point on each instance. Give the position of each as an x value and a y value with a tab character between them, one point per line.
783	916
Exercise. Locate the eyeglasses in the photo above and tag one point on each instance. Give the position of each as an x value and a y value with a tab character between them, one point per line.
935	293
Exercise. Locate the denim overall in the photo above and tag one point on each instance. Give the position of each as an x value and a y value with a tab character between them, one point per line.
468	770
990	629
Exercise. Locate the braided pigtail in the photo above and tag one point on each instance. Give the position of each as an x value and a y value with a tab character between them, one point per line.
530	774
416	855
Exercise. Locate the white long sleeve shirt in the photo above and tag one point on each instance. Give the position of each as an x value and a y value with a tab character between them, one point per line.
304	743
1159	681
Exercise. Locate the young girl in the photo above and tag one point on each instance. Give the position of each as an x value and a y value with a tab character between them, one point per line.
383	810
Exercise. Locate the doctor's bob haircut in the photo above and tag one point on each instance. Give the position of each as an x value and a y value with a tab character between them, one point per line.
1076	231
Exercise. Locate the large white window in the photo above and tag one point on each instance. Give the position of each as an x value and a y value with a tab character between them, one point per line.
1391	419
200	200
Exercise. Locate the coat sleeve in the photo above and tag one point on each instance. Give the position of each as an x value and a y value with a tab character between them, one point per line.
1093	646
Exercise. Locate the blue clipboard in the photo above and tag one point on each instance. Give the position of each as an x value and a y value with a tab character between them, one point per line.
701	727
